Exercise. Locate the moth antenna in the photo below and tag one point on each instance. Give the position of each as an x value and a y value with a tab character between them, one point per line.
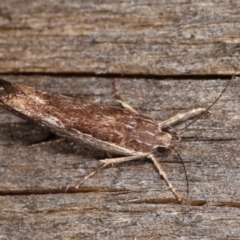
186	176
220	95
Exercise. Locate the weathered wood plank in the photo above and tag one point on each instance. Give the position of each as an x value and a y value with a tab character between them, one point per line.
124	37
128	200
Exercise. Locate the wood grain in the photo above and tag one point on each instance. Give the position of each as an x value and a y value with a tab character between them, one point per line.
62	47
122	37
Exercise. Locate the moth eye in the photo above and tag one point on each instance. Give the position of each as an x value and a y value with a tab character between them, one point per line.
162	149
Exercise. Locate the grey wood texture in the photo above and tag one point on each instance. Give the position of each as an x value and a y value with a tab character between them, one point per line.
73	48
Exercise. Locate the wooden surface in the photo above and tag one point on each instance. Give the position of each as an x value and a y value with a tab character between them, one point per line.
77	48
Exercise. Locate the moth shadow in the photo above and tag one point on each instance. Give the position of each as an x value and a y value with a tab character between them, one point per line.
22	133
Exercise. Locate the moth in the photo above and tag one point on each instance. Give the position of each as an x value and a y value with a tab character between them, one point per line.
115	130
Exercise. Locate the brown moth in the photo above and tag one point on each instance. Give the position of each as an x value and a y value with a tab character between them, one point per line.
114	130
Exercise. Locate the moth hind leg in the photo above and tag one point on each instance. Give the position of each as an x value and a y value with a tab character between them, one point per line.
105	163
91	174
120	100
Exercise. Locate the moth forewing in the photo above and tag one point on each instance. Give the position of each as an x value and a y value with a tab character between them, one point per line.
111	129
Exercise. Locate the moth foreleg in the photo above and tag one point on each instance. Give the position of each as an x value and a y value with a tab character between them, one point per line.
180	117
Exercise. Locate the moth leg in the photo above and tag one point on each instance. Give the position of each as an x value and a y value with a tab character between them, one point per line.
91	174
120	100
42	143
121	159
180	117
107	162
163	174
156	164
